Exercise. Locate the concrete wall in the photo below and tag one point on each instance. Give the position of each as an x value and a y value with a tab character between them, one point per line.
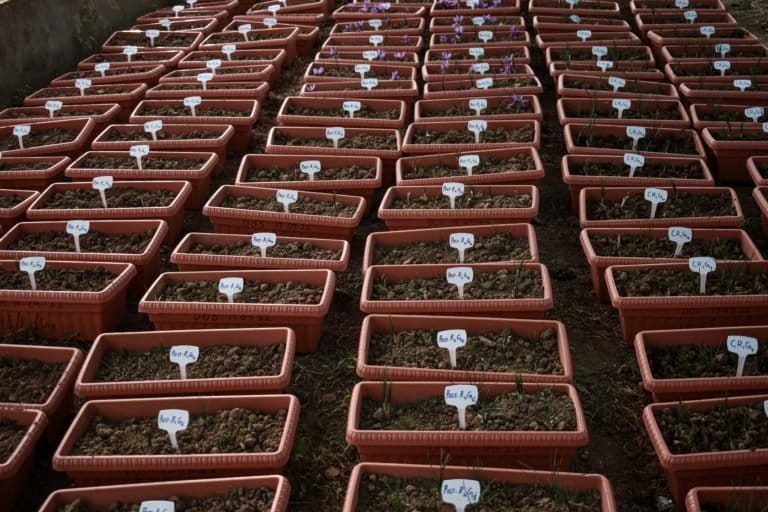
41	39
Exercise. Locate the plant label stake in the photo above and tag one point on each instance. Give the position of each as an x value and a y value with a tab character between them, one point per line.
575	18
244	29
742	346
102	67
616	82
476	52
130	51
478	105
102	183
477	126
287	198
77	228
310	168
754	113
204	78
231	286
765	407
604	65
681	4
452	191
478	21
707	30
183	355
461	396
273	9
191	3
655	196
460	493
702	265
691	16
722	49
21	131
584	34
480	67
263	241
572	3
177	10
471	4
461	242
335	134
351	107
635	133
30	265
742	84
213	65
138	152
269	22
634	161
362	69
765	127
460	276
370	54
152	127
485	35
228	50
722	66
369	83
375	24
680	236
173	421
165	23
621	105
192	102
469	162
376	39
599	52
157	506
451	340
83	84
152	34
53	106
484	83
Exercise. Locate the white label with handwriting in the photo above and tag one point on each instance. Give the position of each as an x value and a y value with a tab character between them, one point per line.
102	184
707	31
722	49
310	168
478	21
480	67
369	83
461	242
139	151
192	102
478	105
452	191
183	355
616	82
460	493
370	54
765	127
152	127
634	161
476	52
228	50
690	16
231	286
30	265
459	277
722	66
572	3
375	24
754	113
681	4
351	107
484	83
269	22
575	18
452	340
213	65
469	162
362	69
485	35
102	68
53	106
376	39
263	241
274	8
130	51
584	34
742	84
173	421
477	126
461	396
204	78
335	134
157	506
635	133
599	51
621	105
177	9
20	131
655	196
679	236
244	29
742	346
702	265
152	34
77	228
83	84
604	65
165	23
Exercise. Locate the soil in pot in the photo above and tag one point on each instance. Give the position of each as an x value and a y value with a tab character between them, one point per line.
682	282
702	361
93	91
488	248
181	110
636	111
641	246
654	143
28	380
490	136
752	71
515	163
679	204
253	292
513	105
206	56
365	112
349	72
140	134
58	279
521	283
117	197
688	171
252	500
638	53
736	116
237	37
237	70
738	135
110	72
165	39
80	112
35	139
473	199
293	250
213	362
498	83
488	19
351	172
227	431
26	166
631	86
148	162
173	86
304	205
358	141
10	201
11	434
93	241
500	351
386	24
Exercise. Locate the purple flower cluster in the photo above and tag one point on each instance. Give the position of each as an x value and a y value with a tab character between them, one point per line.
507	64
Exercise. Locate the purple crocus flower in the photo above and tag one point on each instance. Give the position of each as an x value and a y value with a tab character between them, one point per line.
394	76
333	52
489	18
359	24
514	33
400	56
445	55
443	38
458	20
458	31
318	71
518	101
310	87
406	39
495	3
381	55
444	65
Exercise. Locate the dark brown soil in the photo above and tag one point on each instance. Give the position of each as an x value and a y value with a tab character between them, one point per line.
521	283
11	434
351	172
141	135
59	279
364	112
642	246
614	54
80	112
93	241
293	250
677	282
226	431
148	162
34	139
9	201
117	197
654	142
649	170
679	204
639	110
214	362
254	292
28	380
211	86
702	361
470	200
110	72
495	247
750	71
304	205
349	72
736	117
93	91
119	57
386	24
35	166
165	39
739	135
490	136
236	500
517	163
509	106
498	83
236	70
631	86
466	21
707	51
181	110
703	86
236	37
204	57
364	141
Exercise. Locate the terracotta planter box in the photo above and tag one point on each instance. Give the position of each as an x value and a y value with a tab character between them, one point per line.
507	177
602	112
176	138
760	195
546	40
666	20
399	90
720	468
411	147
458	70
147	262
243	221
300	7
31	172
10	216
705	72
385	324
445	23
682	312
618	193
215	11
706	52
253	73
504	308
172	214
337	116
186	41
579	86
305	41
413	237
448	8
749	499
599	263
102	115
397	27
757	166
286	40
576	132
351	187
644	70
305	319
620	55
16	470
721	117
493	55
404	58
138	344
106	496
249	110
201	24
354	12
552	24
390	43
108	469
726	94
189	261
596	8
732	155
414	218
302	18
214	91
199	178
168	58
137	74
82	129
471	39
61	314
460	111
315	73
691	36
274	56
519	449
468	88
695	388
127	96
647	6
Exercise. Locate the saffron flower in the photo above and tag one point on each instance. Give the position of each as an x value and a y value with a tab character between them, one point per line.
394	76
318	71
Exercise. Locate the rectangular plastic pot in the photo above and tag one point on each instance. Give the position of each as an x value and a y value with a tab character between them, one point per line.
32	179
110	469
84	126
574	85
200	24
190	42
247	73
315	72
732	155
705	52
755	164
505	8
596	8
516	449
760	195
16	470
411	147
565	53
168	58
305	320
575	130
700	112
545	40
400	27
460	69
127	96
401	90
646	6
264	56
469	88
705	72
726	94
342	56
139	73
553	24
445	24
102	114
602	112
666	20
305	41
390	43
214	91
673	36
286	117
286	40
352	12
471	39
188	13
628	70
495	55
749	499
61	314
10	216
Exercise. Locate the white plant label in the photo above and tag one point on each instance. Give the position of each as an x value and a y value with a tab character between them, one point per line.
83	84
152	127
351	107
244	29
635	133
616	82
376	39
362	69
370	54
572	3
129	52
335	134
742	346
165	23
273	9
77	228
476	52
102	68
484	83
690	16
286	198
478	21
269	22
53	106
177	10
480	67
263	241
310	168
604	65
102	183
477	126
575	18
375	24
680	236
599	51
20	131
157	506
584	34
681	4
722	66
369	83
460	493
478	105
191	3
461	242
634	161
707	31
204	78
471	4
765	407
461	396
452	191
722	49
655	196
459	276
30	265
191	102
183	355
138	152
173	421
485	35
385	6
621	105
231	286
228	50
213	65
469	162
152	34
765	127
702	265
742	84
754	113
451	340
